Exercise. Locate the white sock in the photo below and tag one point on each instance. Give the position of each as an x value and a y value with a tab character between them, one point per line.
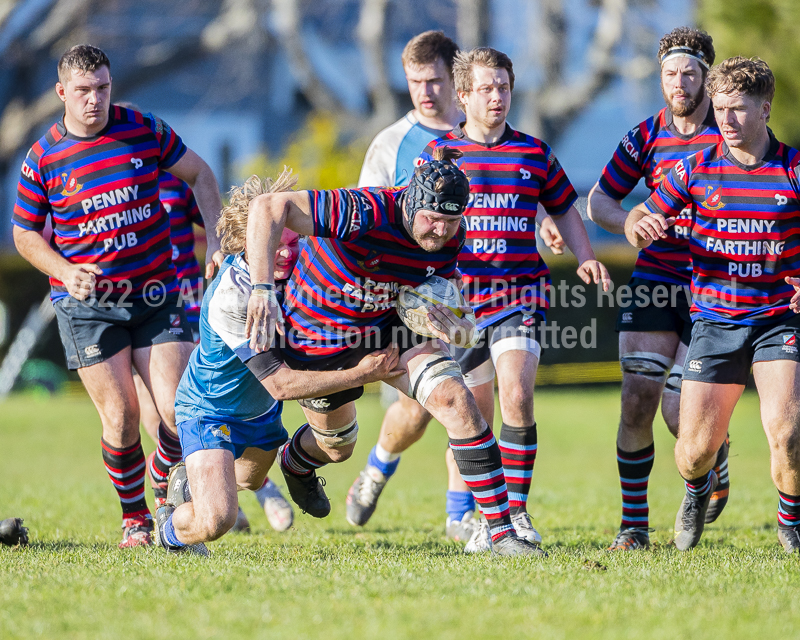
384	456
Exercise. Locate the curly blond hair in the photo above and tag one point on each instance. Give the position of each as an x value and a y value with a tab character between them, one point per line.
746	76
232	224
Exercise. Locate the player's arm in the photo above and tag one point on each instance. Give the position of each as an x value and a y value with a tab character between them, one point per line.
266	218
574	233
288	384
195	172
605	211
643	226
650	220
549	232
79	279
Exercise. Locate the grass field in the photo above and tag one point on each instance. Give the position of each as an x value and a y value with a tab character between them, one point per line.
399	577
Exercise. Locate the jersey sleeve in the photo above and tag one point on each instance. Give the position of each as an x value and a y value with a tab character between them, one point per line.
557	195
379	165
626	167
346	214
427	153
32	205
172	147
672	195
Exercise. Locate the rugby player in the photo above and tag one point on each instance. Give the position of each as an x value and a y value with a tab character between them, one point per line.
744	197
654	325
229	400
95	174
505	279
363	244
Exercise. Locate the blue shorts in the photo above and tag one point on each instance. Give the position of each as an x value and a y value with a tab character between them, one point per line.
219	432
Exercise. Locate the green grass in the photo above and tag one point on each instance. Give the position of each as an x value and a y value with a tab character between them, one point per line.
399	577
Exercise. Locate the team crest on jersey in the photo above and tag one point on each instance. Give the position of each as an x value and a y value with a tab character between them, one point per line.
70	184
658	174
371	261
713	199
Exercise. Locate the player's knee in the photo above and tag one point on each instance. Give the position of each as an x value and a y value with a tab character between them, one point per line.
215	524
786	443
436	371
337	443
645	365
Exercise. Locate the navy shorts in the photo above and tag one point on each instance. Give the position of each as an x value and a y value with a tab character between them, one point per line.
231	434
91	332
651	308
723	353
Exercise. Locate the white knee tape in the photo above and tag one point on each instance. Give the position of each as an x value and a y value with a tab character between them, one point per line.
653	366
434	370
335	438
517	343
674	379
480	375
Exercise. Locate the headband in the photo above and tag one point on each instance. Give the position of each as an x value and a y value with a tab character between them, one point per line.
684	52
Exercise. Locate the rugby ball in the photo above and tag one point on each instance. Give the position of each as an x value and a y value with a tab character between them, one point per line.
413	303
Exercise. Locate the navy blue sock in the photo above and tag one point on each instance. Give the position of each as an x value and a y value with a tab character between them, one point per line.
458	503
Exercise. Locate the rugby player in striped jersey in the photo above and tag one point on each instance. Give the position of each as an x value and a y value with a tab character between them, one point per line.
654	326
505	282
363	245
95	175
745	201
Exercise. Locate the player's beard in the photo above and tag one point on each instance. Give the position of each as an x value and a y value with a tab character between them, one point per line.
688	107
430	243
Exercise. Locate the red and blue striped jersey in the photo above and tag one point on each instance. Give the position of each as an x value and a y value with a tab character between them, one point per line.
101	194
345	283
503	271
649	151
745	235
178	201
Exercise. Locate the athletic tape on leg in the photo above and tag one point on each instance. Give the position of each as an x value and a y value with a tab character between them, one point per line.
435	369
674	379
335	438
480	375
516	343
653	366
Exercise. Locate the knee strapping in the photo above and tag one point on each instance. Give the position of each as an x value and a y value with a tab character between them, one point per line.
336	438
674	379
652	366
480	375
435	369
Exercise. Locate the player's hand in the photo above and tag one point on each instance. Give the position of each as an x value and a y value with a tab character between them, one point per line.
794	303
445	325
551	236
380	365
594	271
80	279
213	262
263	314
458	279
648	228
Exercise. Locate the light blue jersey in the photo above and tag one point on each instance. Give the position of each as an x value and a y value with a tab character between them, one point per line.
217	383
392	155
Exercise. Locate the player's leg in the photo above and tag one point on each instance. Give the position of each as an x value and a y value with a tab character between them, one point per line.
403	424
435	381
148	414
110	386
645	359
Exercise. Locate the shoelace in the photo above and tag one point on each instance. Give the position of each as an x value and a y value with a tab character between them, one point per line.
691	512
369	489
522	522
313	488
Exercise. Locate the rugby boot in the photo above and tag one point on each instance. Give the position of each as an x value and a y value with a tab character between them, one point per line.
277	509
137	532
524	527
789	537
362	499
242	524
513	545
690	520
162	515
159	488
720	496
480	541
461	530
307	492
631	539
12	532
178	490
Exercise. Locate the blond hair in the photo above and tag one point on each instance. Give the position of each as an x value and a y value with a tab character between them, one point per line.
232	224
745	76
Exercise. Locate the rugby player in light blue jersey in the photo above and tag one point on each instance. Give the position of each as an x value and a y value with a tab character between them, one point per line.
229	400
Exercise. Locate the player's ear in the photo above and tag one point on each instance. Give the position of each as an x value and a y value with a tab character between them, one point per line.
61	92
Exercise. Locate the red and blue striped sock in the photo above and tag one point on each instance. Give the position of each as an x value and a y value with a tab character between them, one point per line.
167	455
634	474
297	460
788	511
481	467
518	446
126	469
699	487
